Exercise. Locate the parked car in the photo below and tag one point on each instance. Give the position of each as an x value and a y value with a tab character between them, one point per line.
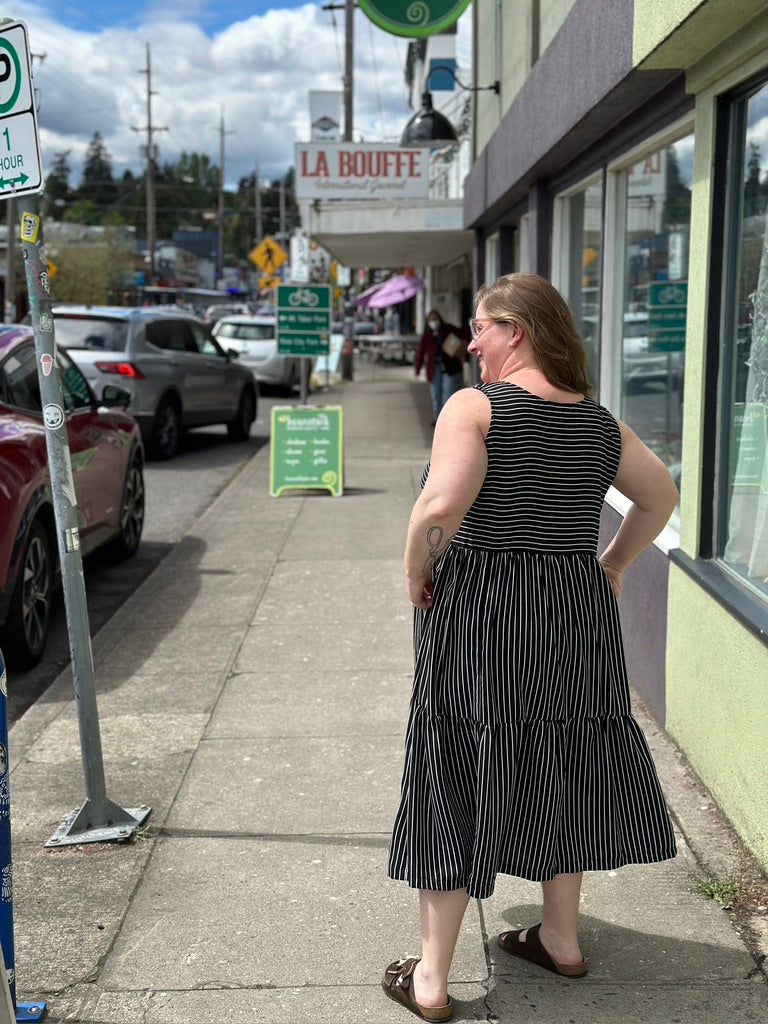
177	374
641	364
107	468
254	338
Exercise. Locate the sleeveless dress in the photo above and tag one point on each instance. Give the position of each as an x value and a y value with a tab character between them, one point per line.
522	755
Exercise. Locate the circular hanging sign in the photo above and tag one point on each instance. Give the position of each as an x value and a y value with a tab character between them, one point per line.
414	18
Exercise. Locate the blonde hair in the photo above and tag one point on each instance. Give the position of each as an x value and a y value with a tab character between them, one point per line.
531	302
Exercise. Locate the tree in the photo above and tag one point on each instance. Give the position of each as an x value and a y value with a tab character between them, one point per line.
677	202
98	185
87	273
57	191
754	198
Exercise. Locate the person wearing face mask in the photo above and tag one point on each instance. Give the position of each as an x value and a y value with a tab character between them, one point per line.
444	369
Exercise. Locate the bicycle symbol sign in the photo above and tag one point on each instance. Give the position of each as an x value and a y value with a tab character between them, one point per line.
20	163
304	319
303	297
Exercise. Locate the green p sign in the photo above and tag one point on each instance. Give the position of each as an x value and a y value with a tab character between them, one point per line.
414	18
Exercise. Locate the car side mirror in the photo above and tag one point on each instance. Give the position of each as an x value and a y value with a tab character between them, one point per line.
114	397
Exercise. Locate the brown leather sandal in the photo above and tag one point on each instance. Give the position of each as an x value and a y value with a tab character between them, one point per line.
398	985
534	952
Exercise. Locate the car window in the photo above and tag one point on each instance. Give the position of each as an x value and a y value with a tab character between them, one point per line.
20	383
91	332
204	342
171	335
74	387
246	332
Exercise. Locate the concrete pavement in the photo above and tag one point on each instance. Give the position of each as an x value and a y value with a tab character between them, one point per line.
254	692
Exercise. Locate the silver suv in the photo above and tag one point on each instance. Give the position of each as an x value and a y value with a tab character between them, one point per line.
177	374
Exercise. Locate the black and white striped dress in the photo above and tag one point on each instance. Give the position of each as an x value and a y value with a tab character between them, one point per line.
522	755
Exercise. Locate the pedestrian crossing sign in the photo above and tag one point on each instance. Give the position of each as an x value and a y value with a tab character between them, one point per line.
268	256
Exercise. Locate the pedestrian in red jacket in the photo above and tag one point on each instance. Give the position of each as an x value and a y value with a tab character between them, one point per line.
444	366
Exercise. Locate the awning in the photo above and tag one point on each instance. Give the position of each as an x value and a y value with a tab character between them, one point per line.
394	291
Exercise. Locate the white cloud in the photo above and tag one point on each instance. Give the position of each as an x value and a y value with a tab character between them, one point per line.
260	70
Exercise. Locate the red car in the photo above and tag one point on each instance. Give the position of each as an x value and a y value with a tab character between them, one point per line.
107	467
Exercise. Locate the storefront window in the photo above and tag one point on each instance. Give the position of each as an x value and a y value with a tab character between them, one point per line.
580	248
655	296
742	534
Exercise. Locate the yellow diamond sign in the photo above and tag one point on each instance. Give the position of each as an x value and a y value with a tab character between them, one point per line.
268	255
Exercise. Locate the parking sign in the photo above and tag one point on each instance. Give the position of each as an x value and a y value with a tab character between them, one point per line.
20	163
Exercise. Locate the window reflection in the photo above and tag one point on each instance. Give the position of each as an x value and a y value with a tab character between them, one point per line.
745	546
582	249
655	297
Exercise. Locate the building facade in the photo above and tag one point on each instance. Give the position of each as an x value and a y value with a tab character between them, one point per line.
626	159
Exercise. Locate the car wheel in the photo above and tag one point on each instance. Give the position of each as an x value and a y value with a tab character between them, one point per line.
131	511
239	428
26	629
166	430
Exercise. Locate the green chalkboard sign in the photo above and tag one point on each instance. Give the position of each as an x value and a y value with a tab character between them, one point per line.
307	449
749	446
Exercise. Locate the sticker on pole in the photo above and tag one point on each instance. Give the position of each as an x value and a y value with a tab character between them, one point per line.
20	163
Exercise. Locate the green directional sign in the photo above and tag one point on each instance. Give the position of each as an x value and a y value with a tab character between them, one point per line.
414	18
304	319
20	163
306	449
667	316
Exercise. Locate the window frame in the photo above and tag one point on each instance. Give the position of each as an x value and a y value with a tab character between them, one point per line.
612	309
707	569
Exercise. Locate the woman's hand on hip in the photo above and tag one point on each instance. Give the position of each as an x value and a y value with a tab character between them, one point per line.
419	590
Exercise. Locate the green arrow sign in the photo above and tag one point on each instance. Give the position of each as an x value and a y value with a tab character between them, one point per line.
414	18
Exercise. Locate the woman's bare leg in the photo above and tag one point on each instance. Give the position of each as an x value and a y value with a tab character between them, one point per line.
441	916
559	930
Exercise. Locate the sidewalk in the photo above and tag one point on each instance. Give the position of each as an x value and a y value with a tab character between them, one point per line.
254	693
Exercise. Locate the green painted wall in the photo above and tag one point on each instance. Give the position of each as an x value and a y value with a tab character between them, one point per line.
655	20
675	33
717	706
717	671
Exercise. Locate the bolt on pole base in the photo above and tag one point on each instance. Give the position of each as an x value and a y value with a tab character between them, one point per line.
29	1011
120	824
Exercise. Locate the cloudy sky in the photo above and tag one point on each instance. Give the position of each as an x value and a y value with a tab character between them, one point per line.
254	59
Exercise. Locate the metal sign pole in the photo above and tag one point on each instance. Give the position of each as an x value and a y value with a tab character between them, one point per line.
98	818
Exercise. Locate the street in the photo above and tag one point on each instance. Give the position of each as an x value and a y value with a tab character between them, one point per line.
177	493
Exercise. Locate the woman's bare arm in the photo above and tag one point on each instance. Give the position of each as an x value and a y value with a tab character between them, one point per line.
456	473
645	480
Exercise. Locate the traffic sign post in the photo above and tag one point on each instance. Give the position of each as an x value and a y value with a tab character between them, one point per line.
98	818
20	163
304	323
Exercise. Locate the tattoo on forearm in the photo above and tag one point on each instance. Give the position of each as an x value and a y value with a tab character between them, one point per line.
434	542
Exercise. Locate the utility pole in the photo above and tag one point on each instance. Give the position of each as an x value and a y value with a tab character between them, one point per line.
348	345
349	56
150	174
9	313
220	214
259	224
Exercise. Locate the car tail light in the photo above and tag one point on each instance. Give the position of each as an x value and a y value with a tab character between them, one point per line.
120	370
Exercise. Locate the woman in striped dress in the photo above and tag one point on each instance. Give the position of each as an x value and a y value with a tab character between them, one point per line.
522	755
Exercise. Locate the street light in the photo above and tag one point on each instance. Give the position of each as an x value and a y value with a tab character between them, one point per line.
428	127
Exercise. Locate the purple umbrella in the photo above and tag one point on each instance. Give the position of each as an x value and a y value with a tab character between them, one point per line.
364	298
395	291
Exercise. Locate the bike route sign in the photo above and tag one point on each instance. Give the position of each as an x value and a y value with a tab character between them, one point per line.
304	319
667	316
20	163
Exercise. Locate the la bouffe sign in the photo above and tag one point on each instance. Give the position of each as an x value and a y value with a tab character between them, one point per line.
414	18
349	170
